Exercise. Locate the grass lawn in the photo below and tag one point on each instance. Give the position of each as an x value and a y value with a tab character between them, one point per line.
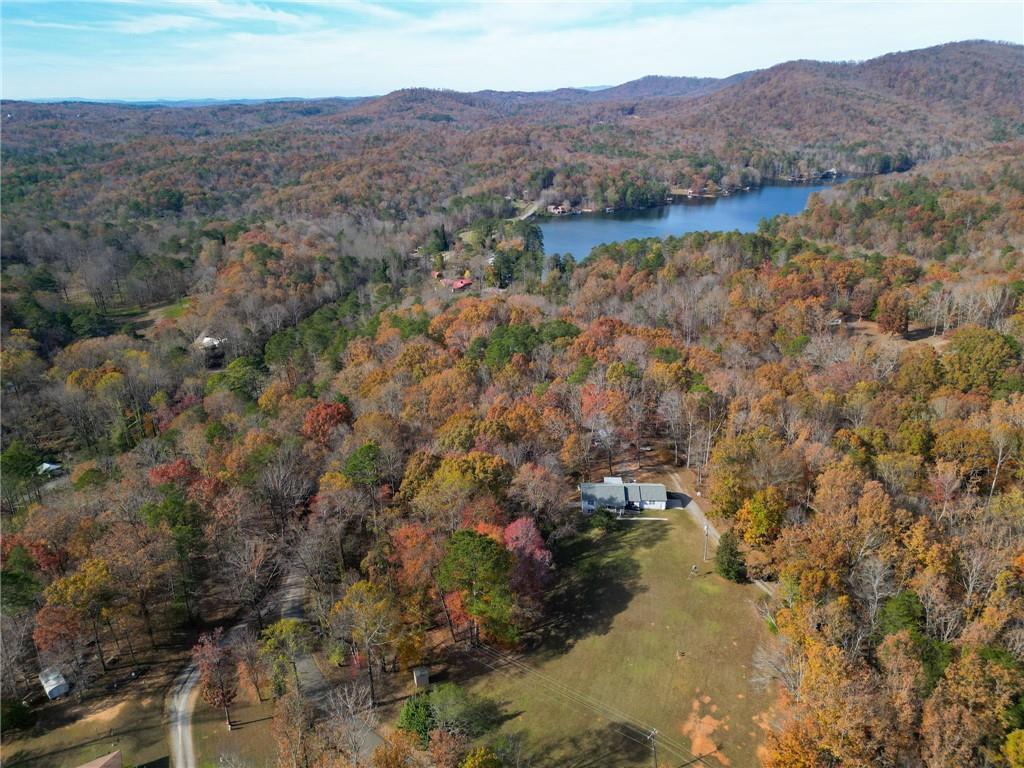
177	309
129	718
634	632
250	739
136	728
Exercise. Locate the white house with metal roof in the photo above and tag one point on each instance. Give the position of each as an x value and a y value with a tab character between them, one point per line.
53	682
617	496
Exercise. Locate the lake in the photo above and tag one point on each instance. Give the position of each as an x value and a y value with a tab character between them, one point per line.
742	211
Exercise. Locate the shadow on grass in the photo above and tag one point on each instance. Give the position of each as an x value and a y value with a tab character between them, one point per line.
30	757
612	744
237	726
599	578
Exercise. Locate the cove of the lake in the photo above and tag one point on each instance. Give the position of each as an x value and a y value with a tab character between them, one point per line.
742	211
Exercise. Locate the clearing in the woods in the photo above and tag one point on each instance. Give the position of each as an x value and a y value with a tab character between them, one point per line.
636	639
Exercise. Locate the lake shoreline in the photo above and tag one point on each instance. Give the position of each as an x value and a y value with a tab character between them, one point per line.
579	233
696	199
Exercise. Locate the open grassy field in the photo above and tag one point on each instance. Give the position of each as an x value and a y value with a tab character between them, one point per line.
634	633
135	728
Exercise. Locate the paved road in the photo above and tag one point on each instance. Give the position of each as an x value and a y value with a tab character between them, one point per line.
183	753
314	686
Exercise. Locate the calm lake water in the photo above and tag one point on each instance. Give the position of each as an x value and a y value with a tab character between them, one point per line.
742	211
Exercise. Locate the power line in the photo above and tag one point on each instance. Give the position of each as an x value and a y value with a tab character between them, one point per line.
594	702
598	707
611	724
634	723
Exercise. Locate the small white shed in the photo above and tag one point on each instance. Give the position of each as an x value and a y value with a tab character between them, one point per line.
53	682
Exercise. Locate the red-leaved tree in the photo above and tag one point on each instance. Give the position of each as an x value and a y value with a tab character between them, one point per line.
218	674
531	570
322	419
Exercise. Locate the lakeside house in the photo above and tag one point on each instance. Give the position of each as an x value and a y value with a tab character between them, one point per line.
618	496
456	284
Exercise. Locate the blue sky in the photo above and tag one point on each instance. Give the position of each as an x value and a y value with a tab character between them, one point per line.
147	49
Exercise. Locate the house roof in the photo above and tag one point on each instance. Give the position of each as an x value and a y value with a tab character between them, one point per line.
617	493
51	676
113	760
652	492
603	494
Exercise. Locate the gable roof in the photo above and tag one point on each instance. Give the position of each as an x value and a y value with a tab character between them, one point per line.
603	494
652	492
618	494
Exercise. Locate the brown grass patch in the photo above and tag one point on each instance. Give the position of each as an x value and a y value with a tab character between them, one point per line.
699	729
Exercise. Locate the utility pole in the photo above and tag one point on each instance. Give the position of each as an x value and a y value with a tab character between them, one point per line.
705	542
652	737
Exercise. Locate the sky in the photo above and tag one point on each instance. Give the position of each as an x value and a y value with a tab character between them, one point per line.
190	49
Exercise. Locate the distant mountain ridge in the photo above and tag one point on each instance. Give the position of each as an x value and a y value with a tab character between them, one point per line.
657	86
898	71
411	150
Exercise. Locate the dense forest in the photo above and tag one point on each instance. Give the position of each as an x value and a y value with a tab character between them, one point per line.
847	384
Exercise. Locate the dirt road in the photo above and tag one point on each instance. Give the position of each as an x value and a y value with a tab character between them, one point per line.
183	753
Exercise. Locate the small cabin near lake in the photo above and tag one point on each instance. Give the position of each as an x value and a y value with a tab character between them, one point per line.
618	496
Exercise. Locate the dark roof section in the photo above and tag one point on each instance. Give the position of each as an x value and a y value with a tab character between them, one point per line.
611	495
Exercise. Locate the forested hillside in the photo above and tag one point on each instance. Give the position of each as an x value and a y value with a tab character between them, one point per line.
846	384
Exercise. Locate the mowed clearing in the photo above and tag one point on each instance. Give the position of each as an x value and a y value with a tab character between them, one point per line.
133	725
637	640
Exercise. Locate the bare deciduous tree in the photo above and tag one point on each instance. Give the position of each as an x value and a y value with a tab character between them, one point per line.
351	719
872	583
284	484
782	662
250	565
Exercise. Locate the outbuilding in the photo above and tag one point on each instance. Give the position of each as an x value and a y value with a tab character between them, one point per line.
49	469
53	683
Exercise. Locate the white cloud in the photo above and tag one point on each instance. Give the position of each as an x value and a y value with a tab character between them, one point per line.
159	22
230	10
523	46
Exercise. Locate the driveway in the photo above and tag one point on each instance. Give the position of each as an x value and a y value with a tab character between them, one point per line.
291	595
312	682
689	503
182	751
